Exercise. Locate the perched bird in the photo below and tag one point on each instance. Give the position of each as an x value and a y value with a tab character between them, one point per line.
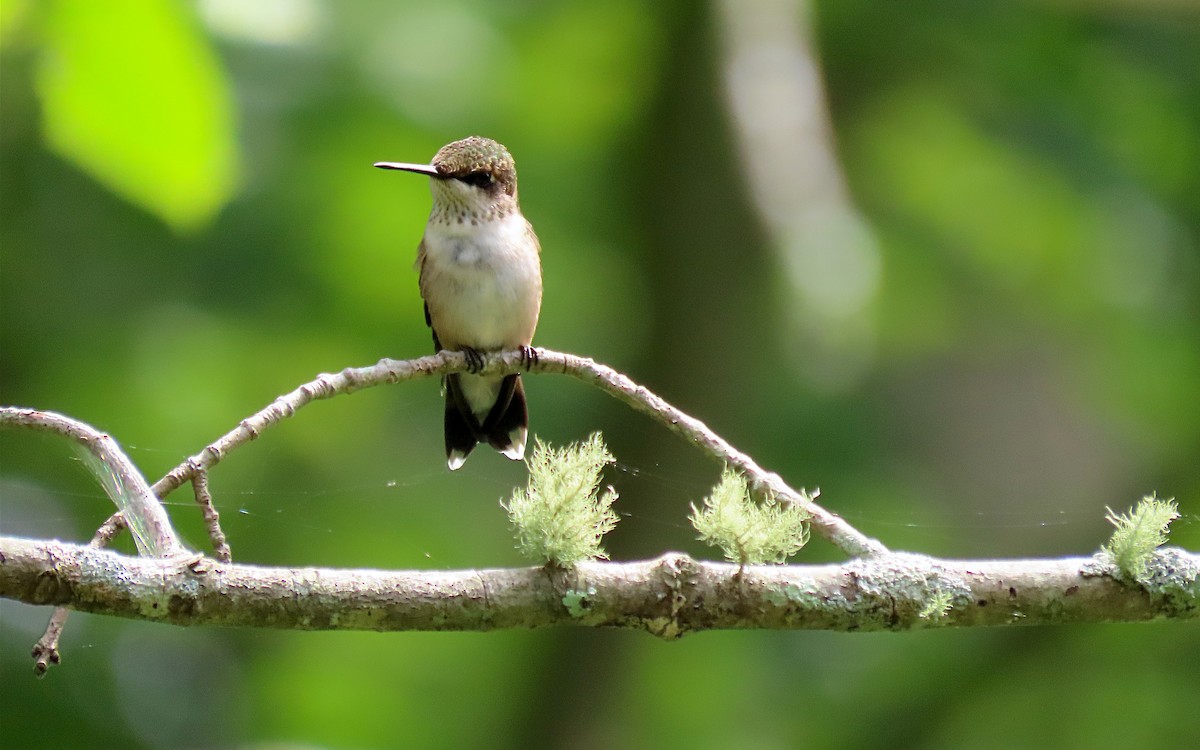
481	279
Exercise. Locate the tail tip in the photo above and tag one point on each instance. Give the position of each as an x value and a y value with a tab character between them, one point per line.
516	444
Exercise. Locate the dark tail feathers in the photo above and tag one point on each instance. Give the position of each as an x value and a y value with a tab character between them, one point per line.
504	429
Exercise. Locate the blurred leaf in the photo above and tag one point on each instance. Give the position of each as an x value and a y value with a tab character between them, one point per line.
133	94
584	71
12	16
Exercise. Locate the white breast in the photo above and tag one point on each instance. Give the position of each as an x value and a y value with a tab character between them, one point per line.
482	283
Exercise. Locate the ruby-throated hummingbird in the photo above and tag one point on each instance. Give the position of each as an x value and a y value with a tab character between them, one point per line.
481	279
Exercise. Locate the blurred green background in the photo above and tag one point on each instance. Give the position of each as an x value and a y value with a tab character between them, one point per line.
940	259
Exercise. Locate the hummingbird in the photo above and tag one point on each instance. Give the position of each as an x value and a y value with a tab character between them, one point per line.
481	280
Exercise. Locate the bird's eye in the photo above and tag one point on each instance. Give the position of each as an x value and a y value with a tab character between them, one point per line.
478	179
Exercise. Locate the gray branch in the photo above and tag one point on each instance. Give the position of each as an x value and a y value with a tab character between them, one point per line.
144	515
828	524
668	597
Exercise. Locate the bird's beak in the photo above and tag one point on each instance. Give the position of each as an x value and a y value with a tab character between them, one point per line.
424	169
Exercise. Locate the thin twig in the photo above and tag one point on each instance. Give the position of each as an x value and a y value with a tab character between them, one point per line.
212	519
828	524
124	484
45	651
138	508
831	526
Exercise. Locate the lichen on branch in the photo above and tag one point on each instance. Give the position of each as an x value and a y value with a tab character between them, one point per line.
1138	533
561	515
750	532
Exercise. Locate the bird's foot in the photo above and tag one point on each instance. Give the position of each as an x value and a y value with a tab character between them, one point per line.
474	359
529	357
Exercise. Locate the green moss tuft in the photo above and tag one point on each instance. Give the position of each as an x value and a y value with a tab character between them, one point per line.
937	606
746	531
559	518
1138	533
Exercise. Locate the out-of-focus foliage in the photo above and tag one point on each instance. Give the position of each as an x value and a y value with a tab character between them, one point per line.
148	116
1027	353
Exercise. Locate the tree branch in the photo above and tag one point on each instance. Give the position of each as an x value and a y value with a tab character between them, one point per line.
124	484
45	651
668	597
828	524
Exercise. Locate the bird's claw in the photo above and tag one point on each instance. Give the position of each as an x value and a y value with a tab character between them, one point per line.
529	357
474	360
